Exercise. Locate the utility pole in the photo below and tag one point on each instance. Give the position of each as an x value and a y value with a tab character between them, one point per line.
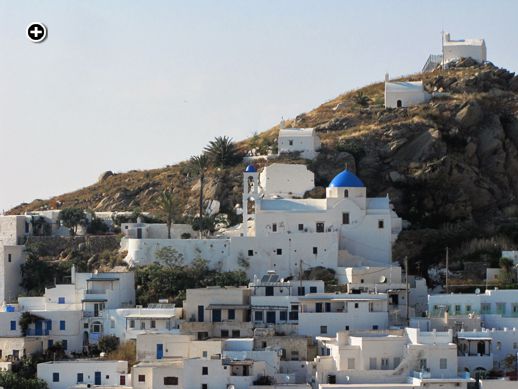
407	292
447	267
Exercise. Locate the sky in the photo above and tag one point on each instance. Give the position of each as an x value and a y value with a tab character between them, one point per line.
124	85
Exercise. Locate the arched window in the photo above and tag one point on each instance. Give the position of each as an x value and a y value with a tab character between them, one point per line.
399	104
346	193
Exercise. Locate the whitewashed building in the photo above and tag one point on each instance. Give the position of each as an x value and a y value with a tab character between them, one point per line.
302	140
463	48
345	229
389	359
325	314
66	374
400	94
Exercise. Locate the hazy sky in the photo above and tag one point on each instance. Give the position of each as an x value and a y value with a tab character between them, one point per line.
122	85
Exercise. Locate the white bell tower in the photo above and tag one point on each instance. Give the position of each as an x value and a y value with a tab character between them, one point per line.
250	195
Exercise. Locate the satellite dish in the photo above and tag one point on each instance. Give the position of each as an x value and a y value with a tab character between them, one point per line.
477	291
382	279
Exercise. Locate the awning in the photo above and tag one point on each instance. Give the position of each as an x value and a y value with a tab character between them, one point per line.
103	279
228	306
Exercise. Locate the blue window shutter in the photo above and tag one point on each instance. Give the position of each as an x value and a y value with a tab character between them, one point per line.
62	325
13	325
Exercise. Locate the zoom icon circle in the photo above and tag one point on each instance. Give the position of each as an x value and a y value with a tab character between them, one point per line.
36	32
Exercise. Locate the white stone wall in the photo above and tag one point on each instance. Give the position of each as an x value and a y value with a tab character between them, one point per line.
111	371
11	259
408	96
176	346
304	140
286	180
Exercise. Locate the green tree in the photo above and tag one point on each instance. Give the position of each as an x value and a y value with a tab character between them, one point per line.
170	257
506	276
14	381
72	217
199	165
361	99
108	343
167	207
222	151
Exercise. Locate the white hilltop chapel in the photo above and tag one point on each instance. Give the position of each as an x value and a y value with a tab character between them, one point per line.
280	232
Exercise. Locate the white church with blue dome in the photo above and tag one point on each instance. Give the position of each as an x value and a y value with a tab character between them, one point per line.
281	231
345	229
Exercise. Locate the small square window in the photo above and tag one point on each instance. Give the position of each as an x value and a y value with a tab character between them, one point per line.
356	305
283	315
61	300
170	380
347	328
204	370
315	250
345	218
141	378
250	253
312	289
64	342
224	333
290	142
301	227
443	363
55	377
13	325
279	251
79	378
236	333
274	227
231	314
375	327
204	354
153	324
323	329
381	224
132	323
62	325
85	326
204	386
258	315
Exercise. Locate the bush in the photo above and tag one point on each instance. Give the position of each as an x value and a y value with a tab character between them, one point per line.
108	343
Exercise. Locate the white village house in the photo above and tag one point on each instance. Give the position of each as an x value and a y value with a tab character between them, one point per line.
400	94
302	140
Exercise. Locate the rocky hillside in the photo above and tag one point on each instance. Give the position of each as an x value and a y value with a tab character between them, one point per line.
450	166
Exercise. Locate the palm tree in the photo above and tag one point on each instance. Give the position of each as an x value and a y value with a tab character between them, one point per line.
199	165
222	151
167	206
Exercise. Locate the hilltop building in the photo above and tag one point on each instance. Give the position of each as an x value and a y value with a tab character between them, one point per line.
401	94
298	140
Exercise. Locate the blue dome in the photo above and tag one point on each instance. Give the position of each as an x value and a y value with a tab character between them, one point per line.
346	179
250	169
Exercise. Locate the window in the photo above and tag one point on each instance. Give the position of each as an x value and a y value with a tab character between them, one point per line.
397	361
346	193
64	342
279	251
373	364
204	386
301	227
323	329
500	308
485	307
294	355
422	364
345	218
515	345
55	377
204	354
9	257
274	227
141	378
294	315
312	289
50	343
79	378
318	307
250	253
236	333
498	346
153	324
142	325
457	308
283	315
204	370
384	363
320	227
268	291
290	142
170	380
62	325
301	291
315	250
443	363
61	300
347	328
381	224
13	325
468	308
231	314
112	323
356	305
224	333
375	327
350	363
258	315
85	326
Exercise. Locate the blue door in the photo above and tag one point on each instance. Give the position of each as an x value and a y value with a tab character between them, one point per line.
39	328
159	351
97	378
